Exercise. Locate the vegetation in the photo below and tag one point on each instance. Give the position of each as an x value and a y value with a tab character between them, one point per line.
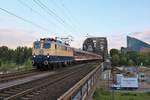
102	94
131	58
15	59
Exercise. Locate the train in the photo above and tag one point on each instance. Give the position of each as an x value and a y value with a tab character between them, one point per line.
50	53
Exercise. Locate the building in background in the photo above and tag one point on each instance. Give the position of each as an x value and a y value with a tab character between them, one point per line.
134	44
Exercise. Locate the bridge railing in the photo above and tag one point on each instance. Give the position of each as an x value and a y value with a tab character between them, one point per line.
81	89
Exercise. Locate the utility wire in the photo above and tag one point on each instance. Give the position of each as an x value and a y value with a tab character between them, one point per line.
70	17
69	13
23	19
46	10
26	5
62	20
44	18
66	15
50	12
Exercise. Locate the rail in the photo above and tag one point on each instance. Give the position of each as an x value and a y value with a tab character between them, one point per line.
30	89
17	75
80	90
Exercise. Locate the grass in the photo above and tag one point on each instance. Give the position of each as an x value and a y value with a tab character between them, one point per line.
103	94
12	67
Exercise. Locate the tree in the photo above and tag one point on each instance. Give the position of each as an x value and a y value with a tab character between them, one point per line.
113	52
22	54
123	60
115	60
130	58
145	59
134	56
4	53
131	62
18	56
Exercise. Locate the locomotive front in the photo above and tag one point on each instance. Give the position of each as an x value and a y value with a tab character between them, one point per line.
40	55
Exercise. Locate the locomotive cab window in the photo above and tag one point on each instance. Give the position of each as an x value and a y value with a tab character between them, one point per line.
46	45
37	45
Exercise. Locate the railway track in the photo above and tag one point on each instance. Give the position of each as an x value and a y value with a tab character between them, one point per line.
17	75
48	87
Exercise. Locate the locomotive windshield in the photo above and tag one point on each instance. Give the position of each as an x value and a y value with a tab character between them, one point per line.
46	45
37	45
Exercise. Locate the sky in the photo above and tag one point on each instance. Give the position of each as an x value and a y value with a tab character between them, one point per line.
114	19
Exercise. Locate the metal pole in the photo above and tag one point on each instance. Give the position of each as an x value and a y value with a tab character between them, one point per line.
113	96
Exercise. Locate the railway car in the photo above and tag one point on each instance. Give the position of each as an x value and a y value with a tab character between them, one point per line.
49	53
84	56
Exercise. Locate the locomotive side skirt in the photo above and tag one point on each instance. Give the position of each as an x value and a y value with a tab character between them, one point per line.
42	59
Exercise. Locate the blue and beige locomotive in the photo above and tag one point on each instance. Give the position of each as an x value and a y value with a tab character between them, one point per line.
49	53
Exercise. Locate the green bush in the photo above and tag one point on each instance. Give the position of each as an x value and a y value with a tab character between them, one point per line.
7	67
96	94
11	67
28	65
103	94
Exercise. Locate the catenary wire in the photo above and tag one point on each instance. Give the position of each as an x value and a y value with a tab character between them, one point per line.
23	19
38	13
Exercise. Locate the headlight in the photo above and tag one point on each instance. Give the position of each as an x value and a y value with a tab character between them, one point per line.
47	56
34	56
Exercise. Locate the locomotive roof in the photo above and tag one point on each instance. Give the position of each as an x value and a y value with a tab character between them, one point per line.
54	40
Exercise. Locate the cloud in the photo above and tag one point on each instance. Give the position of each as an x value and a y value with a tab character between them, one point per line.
144	36
14	37
116	42
17	37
